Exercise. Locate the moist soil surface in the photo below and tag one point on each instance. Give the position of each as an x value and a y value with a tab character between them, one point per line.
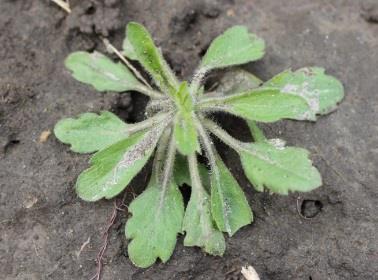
47	232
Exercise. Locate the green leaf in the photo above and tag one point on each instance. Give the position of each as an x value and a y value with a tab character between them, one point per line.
184	130
150	57
235	46
199	226
264	105
156	220
186	134
237	80
112	169
229	205
198	223
280	169
322	92
101	72
91	132
182	175
128	50
256	132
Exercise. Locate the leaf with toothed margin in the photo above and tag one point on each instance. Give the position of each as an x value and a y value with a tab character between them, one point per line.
150	57
322	92
156	220
101	72
91	132
229	205
198	223
113	168
234	47
261	104
278	168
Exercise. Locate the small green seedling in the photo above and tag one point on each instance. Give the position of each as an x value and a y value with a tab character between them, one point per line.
179	126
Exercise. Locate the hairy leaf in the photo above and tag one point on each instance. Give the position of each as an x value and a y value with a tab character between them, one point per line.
199	226
150	57
186	134
156	220
91	132
113	168
198	223
184	130
280	169
264	105
322	92
229	205
128	50
235	46
101	72
182	175
237	80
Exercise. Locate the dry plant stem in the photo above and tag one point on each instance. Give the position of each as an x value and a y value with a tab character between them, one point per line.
63	4
113	49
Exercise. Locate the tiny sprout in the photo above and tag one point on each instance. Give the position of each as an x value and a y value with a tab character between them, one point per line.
179	126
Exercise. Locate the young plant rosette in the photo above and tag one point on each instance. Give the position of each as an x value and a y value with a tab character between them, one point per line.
179	126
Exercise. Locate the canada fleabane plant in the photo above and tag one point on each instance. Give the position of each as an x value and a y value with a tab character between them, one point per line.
178	127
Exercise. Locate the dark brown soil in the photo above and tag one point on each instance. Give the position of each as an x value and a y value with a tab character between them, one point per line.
42	222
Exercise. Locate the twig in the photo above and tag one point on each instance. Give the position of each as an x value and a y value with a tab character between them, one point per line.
112	49
63	4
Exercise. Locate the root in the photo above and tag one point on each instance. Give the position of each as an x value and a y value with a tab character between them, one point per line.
117	206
